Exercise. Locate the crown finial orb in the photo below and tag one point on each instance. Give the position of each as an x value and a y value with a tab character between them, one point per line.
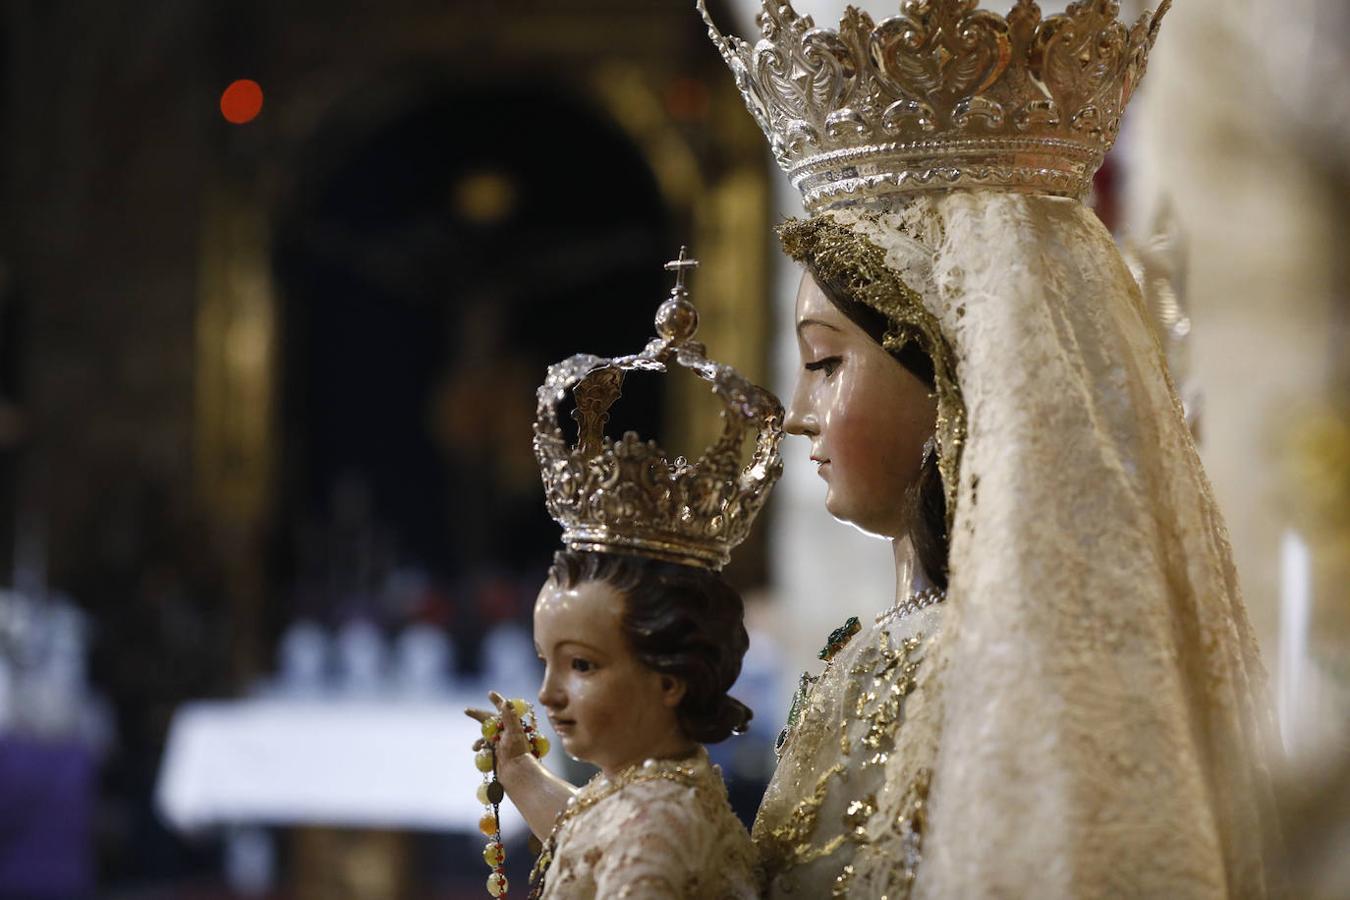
677	319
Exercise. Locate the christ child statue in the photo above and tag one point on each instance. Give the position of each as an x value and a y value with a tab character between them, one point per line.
640	637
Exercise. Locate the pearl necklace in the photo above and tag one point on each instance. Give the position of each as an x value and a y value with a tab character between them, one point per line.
913	602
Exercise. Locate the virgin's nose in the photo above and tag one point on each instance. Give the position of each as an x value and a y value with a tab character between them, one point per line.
800	418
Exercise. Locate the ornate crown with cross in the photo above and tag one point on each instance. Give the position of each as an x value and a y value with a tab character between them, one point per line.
625	496
942	95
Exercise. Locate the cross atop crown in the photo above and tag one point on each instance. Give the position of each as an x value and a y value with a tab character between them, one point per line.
679	267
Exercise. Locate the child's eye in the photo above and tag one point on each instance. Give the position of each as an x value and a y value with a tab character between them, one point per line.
582	665
828	365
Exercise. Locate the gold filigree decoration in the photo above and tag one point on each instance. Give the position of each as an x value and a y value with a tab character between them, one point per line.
627	496
882	706
842	881
942	95
846	262
890	673
857	815
789	844
911	825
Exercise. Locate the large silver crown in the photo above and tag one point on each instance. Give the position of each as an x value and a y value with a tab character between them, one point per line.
943	95
626	496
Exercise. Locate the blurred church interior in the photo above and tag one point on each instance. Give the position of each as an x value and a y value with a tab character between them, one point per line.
266	391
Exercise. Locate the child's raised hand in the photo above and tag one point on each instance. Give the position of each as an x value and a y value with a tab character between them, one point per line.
511	731
513	741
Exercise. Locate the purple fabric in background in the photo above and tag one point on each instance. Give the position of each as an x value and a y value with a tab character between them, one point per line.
46	799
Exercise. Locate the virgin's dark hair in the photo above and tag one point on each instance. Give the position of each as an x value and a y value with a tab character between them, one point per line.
680	621
927	515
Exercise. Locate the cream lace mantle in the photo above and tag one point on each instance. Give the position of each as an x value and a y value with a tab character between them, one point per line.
667	831
1091	718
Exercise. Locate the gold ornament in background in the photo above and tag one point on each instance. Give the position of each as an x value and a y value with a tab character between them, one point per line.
1318	466
1321	444
626	496
942	95
1316	455
486	197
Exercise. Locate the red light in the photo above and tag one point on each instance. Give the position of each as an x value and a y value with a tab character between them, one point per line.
241	102
687	99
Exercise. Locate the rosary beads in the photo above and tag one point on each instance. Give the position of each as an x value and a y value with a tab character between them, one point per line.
490	792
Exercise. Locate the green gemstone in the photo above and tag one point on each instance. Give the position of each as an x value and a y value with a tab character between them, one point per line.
839	637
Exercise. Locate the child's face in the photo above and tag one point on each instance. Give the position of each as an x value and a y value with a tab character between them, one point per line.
606	707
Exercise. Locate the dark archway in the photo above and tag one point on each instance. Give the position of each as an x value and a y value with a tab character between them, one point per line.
432	267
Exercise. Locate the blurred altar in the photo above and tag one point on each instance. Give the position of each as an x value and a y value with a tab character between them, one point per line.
268	512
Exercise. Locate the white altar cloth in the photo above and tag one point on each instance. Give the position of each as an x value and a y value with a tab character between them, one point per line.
377	763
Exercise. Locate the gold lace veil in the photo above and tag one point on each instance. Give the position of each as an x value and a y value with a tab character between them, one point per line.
1104	706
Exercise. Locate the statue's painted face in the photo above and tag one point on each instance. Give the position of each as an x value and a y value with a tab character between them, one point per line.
607	708
867	416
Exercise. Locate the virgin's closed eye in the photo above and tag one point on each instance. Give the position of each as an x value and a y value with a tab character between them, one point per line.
828	365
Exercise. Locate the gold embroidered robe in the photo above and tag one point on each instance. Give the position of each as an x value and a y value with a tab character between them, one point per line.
844	814
660	831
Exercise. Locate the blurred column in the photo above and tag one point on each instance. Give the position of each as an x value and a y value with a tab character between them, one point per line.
235	411
1244	128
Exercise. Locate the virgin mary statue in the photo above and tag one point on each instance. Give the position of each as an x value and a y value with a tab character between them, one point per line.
1066	699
